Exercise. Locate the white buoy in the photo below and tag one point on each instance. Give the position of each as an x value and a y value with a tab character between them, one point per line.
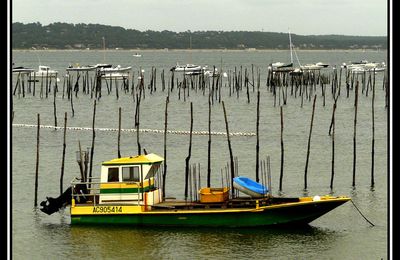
316	198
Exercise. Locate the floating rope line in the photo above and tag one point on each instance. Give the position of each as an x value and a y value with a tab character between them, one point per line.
177	132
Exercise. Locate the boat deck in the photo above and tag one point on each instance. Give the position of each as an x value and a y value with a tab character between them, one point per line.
239	202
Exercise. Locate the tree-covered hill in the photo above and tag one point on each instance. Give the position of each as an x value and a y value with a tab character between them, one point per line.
82	36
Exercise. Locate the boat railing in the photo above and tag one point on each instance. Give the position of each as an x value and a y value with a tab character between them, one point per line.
86	191
89	191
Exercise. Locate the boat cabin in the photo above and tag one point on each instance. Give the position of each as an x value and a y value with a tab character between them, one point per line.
131	180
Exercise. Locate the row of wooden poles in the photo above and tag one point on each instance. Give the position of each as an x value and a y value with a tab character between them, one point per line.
191	183
237	80
305	84
93	84
278	83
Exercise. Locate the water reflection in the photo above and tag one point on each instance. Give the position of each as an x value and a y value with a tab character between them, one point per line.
189	243
38	236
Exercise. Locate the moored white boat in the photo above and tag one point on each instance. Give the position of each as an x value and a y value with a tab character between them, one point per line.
22	70
117	72
186	68
44	72
311	67
321	64
364	66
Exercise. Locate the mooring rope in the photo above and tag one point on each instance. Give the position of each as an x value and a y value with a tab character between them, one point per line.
362	214
177	132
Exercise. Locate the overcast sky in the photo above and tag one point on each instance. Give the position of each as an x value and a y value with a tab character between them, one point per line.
304	17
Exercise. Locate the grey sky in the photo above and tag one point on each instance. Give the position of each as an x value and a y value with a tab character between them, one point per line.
304	17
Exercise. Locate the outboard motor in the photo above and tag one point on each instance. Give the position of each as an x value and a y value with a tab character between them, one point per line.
51	205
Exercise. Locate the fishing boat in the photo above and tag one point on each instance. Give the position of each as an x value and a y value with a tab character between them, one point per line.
130	191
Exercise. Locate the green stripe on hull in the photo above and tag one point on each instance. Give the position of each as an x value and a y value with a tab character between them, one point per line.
126	190
299	214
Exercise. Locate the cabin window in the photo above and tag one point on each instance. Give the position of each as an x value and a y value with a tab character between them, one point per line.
130	174
153	171
113	175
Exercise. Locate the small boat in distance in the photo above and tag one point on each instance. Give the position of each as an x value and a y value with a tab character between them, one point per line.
186	68
250	187
77	67
321	64
137	55
107	71
22	70
281	65
130	189
45	71
364	66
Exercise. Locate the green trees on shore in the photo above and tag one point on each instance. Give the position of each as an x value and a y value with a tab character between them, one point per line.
82	36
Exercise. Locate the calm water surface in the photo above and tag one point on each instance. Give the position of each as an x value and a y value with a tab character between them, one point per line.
340	234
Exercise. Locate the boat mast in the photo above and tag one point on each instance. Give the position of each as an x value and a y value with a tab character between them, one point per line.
104	50
290	47
40	63
190	49
291	51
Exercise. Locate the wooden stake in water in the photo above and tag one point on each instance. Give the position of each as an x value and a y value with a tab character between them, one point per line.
137	113
72	104
190	152
63	154
269	176
55	108
209	144
165	147
230	149
119	132
333	114
34	83
80	163
92	147
309	142
333	143
258	138
37	158
373	134
282	153
355	134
